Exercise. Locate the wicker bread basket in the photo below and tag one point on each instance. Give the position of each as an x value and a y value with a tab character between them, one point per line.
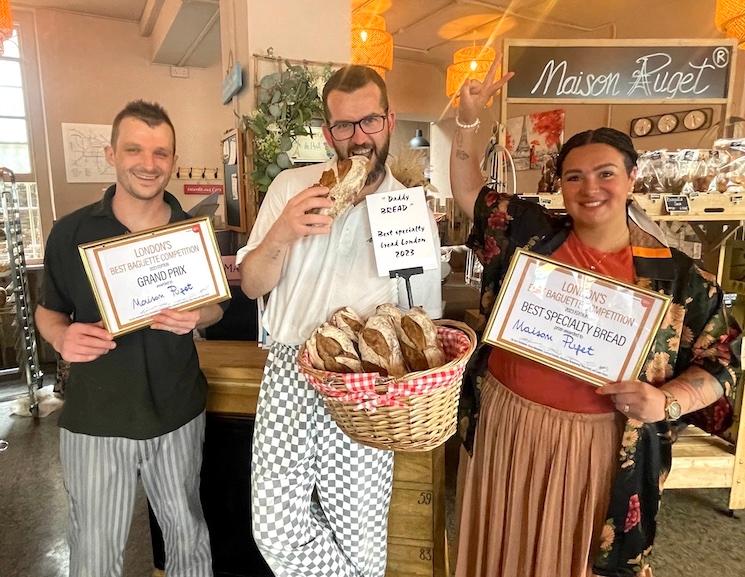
415	412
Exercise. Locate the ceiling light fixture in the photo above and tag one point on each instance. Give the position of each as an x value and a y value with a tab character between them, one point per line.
468	62
730	19
6	23
372	44
418	141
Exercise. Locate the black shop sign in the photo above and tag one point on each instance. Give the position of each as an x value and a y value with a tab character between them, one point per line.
613	73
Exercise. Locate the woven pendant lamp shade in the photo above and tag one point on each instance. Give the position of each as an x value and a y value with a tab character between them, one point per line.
372	45
6	23
730	19
468	62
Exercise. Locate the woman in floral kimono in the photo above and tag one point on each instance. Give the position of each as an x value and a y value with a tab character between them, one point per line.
564	478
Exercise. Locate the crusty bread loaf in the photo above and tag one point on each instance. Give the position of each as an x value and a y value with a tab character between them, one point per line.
348	321
379	348
391	342
346	185
391	310
417	335
332	350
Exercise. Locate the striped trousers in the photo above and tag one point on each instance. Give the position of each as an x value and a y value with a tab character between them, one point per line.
319	500
100	476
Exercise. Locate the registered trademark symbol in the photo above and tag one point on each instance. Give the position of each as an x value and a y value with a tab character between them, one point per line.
721	57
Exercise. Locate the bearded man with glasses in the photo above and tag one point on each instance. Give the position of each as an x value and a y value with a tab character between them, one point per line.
319	499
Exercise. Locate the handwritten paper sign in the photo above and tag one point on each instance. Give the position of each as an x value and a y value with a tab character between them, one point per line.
602	71
574	321
135	276
401	230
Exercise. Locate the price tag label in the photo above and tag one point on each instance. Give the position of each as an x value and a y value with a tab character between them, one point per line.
401	230
677	204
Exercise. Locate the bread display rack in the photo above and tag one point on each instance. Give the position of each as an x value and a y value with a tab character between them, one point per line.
700	206
26	349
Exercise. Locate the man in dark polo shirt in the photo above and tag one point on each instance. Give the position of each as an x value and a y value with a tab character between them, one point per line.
134	406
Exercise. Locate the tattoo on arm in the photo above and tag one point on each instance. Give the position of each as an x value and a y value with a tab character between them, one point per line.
460	154
276	254
696	390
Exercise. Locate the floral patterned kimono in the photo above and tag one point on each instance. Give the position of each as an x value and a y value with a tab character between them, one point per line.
696	330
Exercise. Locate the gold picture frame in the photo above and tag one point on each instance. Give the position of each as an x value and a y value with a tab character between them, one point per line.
557	325
135	276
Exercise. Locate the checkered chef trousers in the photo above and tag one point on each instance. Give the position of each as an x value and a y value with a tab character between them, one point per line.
319	499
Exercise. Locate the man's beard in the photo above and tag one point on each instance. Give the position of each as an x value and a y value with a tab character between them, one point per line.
380	156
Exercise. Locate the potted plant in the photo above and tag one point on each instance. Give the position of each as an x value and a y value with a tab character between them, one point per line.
288	104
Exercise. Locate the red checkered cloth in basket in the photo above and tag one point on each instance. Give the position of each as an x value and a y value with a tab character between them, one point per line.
360	387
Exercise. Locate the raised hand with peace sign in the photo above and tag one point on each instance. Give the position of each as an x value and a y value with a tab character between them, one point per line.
465	174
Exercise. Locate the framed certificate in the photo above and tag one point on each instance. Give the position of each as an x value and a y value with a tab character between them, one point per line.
590	326
135	276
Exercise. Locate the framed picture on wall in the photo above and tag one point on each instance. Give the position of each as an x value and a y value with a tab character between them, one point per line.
531	137
234	181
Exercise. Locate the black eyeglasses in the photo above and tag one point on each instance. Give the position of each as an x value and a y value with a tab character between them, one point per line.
369	125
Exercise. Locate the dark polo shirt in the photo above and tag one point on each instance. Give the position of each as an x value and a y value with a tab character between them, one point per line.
150	384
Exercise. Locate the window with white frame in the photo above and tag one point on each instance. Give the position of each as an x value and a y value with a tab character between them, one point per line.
15	145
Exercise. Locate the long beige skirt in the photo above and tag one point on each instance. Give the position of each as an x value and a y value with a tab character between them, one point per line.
536	490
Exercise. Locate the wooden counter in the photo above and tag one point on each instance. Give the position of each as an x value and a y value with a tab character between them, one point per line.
417	544
233	370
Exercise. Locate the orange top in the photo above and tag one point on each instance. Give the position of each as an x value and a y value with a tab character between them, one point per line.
540	384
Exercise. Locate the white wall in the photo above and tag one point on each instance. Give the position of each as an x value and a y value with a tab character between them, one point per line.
91	67
417	91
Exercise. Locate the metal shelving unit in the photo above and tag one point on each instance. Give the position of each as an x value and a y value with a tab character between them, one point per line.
27	354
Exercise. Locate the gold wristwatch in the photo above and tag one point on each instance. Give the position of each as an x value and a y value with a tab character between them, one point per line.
672	407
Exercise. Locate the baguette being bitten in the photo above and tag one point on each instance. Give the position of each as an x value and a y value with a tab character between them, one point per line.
344	187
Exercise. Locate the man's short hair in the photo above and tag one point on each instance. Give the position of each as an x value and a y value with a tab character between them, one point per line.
151	113
351	78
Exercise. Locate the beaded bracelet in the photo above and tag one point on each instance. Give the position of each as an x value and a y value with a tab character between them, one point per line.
474	124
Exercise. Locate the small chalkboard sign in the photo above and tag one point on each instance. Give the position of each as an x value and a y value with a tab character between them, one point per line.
531	198
677	204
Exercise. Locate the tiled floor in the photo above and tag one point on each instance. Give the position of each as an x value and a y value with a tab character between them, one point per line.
695	538
33	508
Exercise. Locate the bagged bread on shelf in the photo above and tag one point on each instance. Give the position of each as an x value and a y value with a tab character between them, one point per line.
417	335
379	347
348	321
330	349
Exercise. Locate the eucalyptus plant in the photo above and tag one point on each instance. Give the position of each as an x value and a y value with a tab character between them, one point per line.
287	103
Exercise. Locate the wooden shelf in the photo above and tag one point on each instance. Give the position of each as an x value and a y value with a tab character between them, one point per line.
709	217
701	461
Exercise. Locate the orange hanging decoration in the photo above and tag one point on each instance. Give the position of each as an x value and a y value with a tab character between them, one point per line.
372	44
468	62
6	23
730	19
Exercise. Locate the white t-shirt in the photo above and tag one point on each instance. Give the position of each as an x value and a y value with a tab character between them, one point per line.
322	273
